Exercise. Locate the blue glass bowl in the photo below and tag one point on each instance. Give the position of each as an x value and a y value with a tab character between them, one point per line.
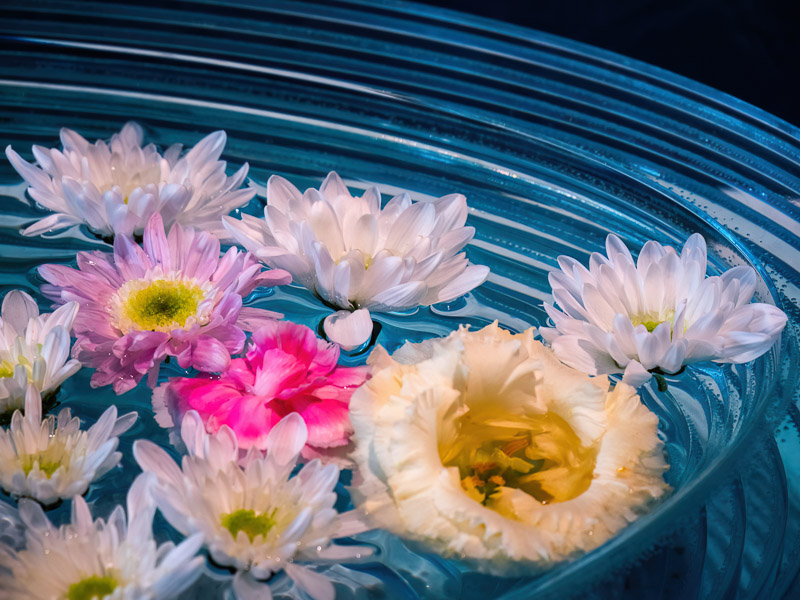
555	144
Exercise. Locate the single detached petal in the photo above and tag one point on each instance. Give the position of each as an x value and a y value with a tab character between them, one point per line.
349	329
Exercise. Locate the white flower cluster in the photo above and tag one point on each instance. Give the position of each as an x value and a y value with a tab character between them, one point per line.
357	256
34	348
656	314
116	187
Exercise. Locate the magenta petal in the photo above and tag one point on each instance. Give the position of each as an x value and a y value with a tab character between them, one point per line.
287	369
251	420
210	355
328	421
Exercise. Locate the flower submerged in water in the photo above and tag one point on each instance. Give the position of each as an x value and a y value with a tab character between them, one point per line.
255	518
286	369
657	314
483	445
88	558
54	459
176	297
114	188
358	257
34	349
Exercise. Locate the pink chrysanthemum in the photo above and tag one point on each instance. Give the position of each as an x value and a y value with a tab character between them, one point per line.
286	369
174	297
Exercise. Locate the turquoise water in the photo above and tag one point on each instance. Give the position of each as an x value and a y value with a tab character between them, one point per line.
554	144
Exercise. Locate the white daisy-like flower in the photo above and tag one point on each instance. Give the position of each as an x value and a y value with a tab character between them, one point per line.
116	187
358	257
657	314
54	459
484	446
34	348
115	559
253	516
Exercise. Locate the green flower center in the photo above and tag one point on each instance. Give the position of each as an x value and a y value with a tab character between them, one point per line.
92	587
540	455
248	521
162	305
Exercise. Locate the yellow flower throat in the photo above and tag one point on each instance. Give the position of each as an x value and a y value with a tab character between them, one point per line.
162	305
540	455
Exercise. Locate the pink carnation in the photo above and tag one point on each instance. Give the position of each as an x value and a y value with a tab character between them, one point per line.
286	369
174	297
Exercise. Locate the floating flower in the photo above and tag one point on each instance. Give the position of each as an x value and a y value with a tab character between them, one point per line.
483	445
286	369
54	459
255	518
355	255
656	315
114	188
88	559
176	297
34	348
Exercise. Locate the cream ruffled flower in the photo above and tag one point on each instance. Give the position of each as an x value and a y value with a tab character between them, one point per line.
34	348
657	314
358	257
54	459
114	188
482	445
255	518
86	558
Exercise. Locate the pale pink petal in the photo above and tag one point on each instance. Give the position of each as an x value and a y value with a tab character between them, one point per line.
247	588
349	329
315	585
286	439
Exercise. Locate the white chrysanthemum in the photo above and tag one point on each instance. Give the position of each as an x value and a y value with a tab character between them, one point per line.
657	314
484	446
114	560
358	257
115	188
254	517
54	459
34	348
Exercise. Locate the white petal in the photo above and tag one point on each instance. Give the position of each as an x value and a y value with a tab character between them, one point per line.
286	439
349	329
17	309
636	375
315	585
247	588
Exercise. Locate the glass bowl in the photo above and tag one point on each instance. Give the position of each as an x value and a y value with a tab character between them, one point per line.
555	144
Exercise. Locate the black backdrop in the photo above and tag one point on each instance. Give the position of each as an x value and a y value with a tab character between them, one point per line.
747	48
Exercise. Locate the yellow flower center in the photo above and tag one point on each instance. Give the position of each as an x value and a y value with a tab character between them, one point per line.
49	459
651	320
92	587
162	305
538	454
248	521
6	369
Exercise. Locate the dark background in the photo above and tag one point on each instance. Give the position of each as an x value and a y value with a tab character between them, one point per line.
747	48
